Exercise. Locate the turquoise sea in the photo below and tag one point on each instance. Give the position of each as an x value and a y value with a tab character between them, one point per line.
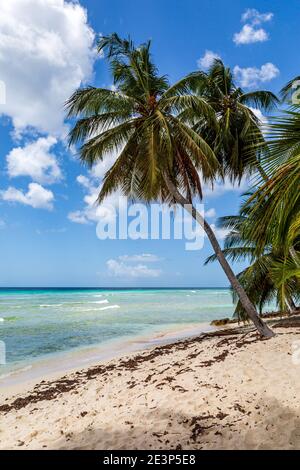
43	323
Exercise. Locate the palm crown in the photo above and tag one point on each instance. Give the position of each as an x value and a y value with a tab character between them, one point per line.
238	140
140	122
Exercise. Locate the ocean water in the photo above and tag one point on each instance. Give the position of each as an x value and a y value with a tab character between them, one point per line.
36	324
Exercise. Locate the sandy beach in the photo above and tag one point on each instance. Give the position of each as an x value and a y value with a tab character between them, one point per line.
223	390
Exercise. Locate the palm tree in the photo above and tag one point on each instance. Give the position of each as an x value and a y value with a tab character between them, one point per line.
271	275
238	141
285	273
277	201
159	155
267	230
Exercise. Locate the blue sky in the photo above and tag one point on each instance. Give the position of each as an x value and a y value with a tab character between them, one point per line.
47	218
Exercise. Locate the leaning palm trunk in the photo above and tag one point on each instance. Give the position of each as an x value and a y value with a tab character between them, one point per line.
263	329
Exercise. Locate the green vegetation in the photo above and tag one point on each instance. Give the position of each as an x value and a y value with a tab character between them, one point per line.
170	139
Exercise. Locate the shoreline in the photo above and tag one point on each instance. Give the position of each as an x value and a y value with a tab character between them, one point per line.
53	366
227	389
52	344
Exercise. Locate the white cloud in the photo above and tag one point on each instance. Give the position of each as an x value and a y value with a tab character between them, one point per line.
117	268
207	59
250	33
84	181
92	212
144	257
2	224
211	213
35	160
36	196
220	233
251	14
98	171
46	51
252	76
263	119
78	217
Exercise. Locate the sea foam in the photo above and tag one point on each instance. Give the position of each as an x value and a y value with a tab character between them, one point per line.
110	307
50	305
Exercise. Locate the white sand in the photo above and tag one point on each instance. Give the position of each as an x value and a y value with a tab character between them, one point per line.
231	392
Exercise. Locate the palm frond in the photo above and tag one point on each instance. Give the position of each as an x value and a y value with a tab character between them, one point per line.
264	100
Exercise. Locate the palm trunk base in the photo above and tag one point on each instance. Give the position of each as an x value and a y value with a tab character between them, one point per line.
264	330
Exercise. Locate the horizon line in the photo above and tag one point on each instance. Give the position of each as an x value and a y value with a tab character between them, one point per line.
114	287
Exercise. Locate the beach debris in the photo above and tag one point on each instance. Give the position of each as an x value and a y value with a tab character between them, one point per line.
288	323
51	390
239	408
